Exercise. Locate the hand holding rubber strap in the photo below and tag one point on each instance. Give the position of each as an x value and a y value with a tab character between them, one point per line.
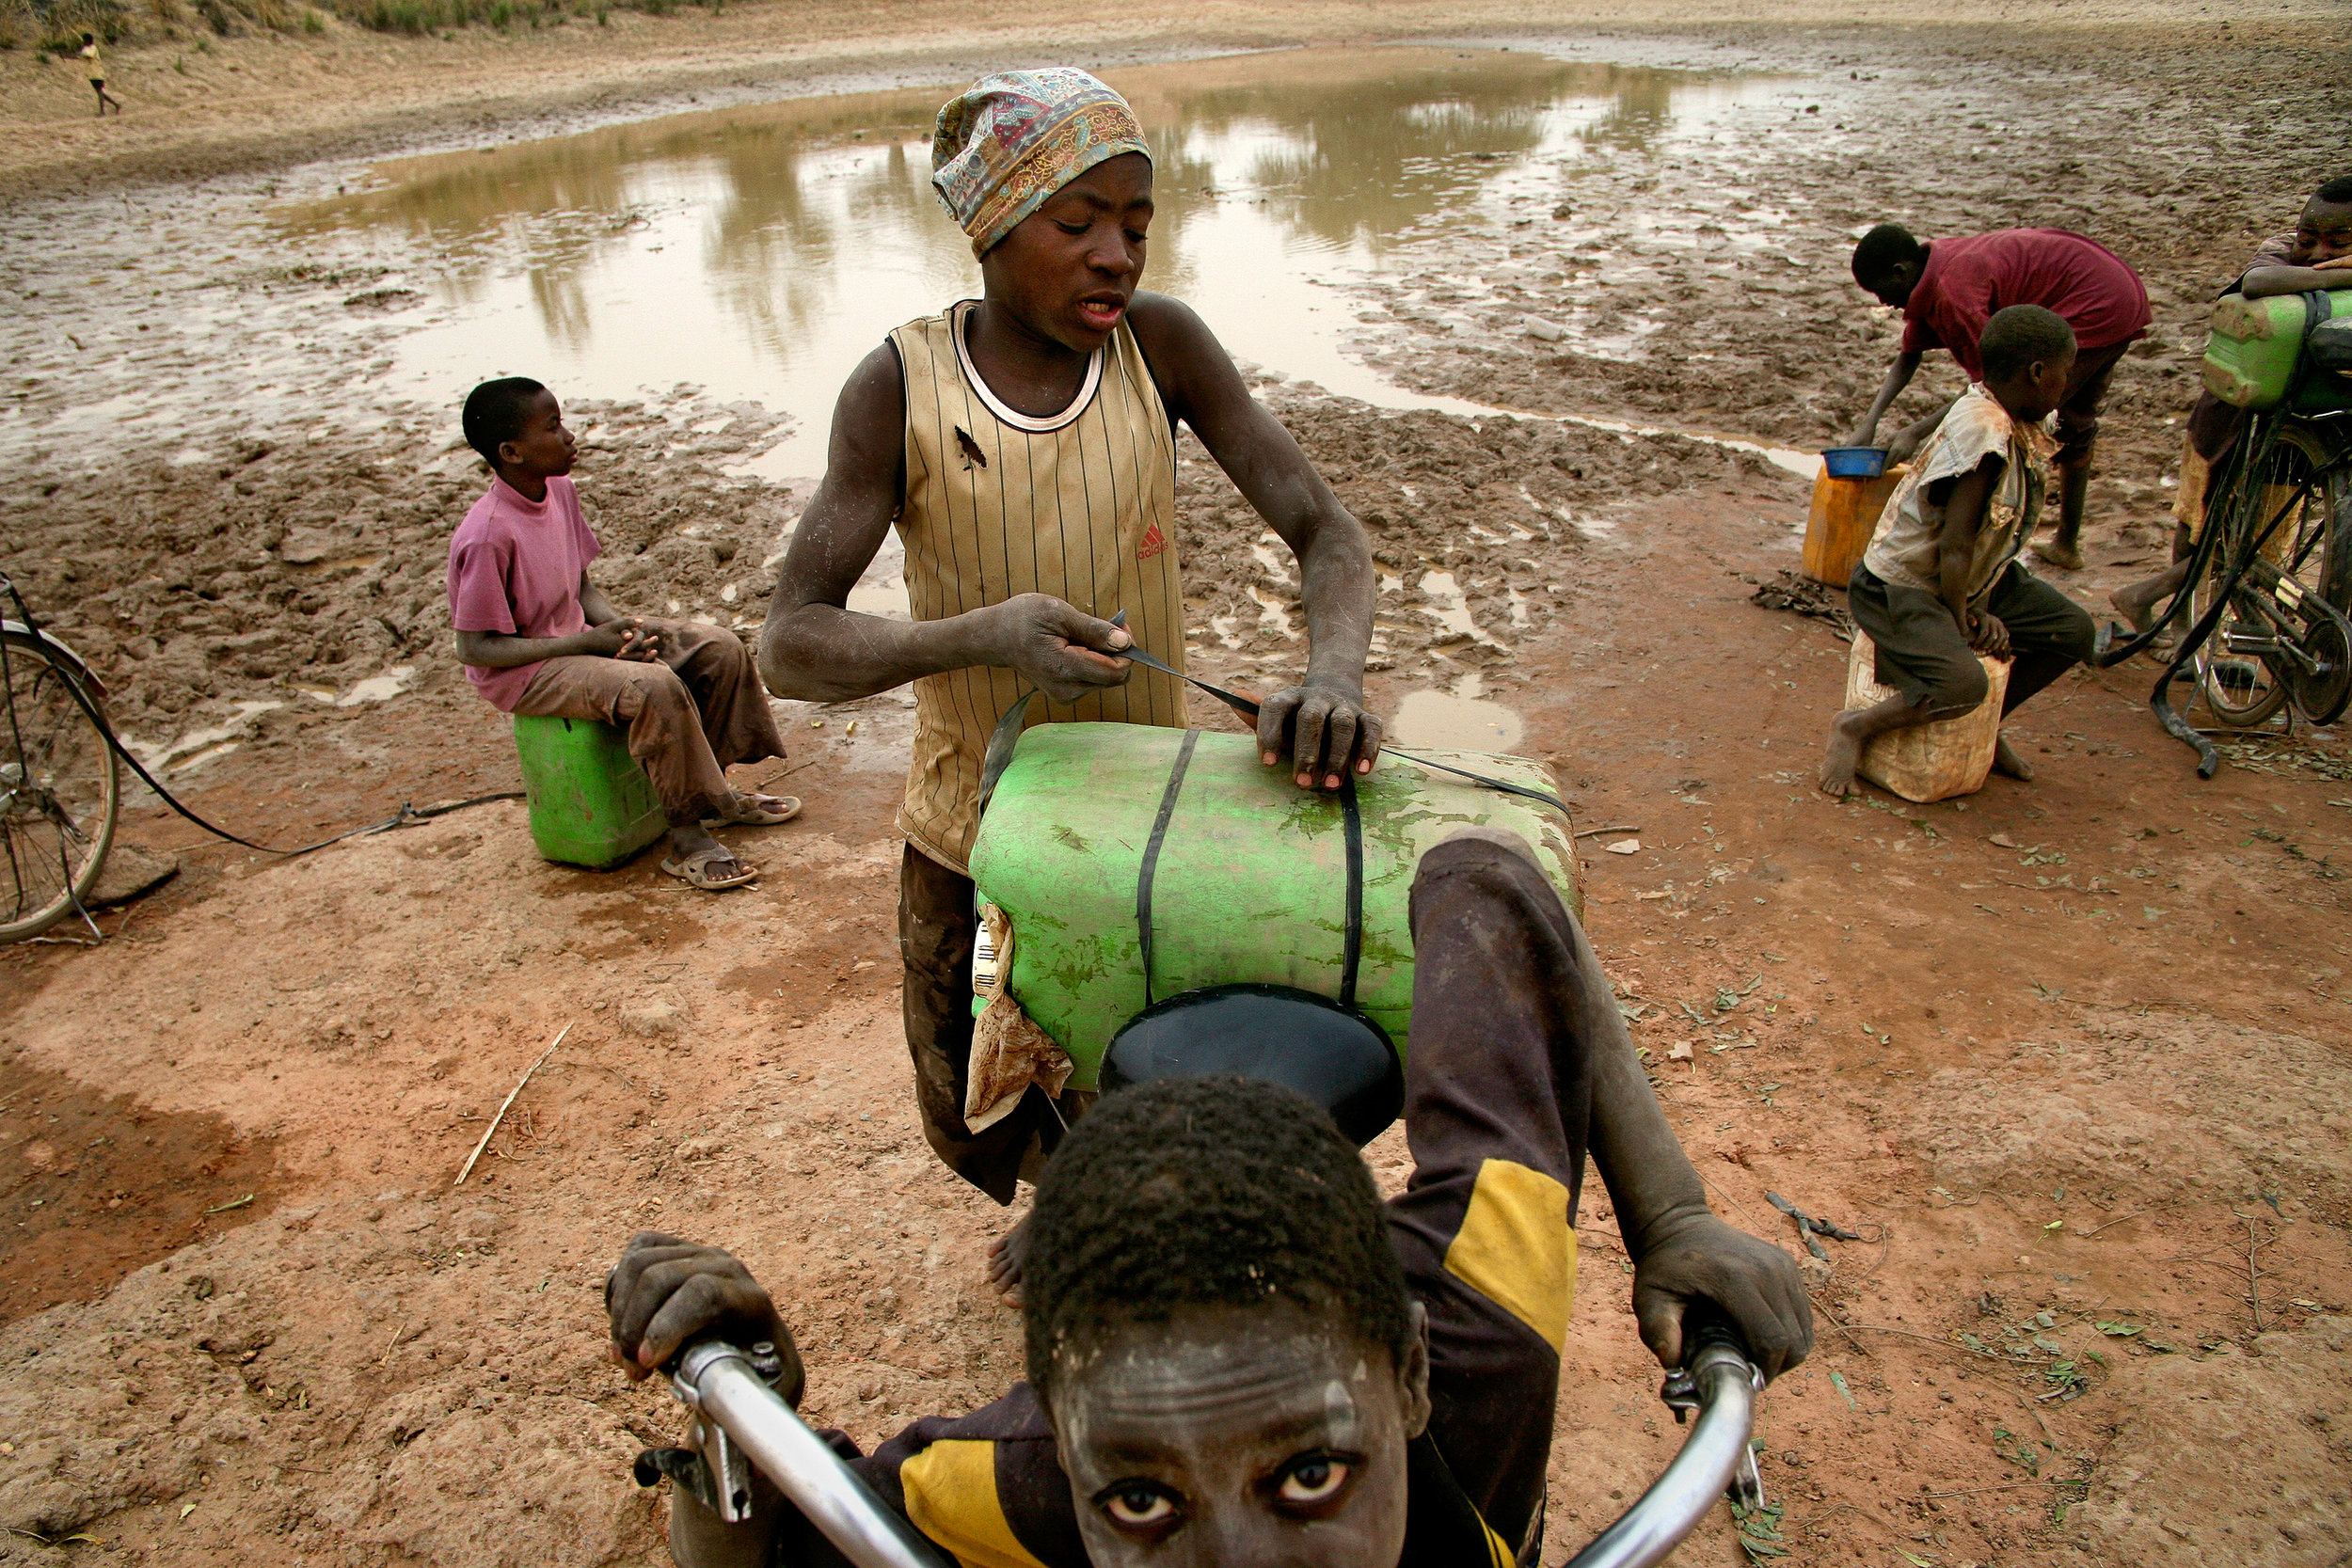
1248	710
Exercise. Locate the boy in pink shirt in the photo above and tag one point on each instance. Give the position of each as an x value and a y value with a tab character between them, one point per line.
538	638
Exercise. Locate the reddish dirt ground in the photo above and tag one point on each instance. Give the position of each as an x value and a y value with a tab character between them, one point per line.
2081	1101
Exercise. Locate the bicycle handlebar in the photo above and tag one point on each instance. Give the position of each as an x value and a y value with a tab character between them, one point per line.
738	1409
1718	1380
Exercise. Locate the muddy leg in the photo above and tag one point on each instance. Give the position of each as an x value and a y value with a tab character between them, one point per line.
2066	550
2136	603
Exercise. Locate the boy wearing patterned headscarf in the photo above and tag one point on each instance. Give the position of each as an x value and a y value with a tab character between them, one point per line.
1023	443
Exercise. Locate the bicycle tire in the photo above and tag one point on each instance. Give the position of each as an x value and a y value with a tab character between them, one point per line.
43	729
2321	698
2244	689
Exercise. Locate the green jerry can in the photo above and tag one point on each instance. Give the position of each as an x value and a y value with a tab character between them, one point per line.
1250	883
2251	355
591	804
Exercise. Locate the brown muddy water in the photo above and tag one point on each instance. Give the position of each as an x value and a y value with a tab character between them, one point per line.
758	253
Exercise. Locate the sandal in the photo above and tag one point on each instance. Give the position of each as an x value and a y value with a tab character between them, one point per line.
695	870
757	810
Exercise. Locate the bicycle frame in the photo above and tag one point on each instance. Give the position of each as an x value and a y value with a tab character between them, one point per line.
2251	445
739	1418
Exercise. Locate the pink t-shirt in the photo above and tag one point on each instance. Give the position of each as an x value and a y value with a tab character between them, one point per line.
514	567
1969	277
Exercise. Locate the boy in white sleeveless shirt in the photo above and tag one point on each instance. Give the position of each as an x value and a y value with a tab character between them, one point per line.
1024	445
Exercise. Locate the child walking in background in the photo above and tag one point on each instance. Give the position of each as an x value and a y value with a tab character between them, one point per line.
1941	581
538	638
94	64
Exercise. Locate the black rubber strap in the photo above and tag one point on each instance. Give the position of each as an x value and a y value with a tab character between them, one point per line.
1233	700
1541	796
1152	854
1353	936
1002	742
1248	710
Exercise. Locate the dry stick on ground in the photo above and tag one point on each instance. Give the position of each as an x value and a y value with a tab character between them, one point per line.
1814	1527
2253	1279
1620	827
1860	1349
2005	1486
493	1128
1950	1345
1735	1203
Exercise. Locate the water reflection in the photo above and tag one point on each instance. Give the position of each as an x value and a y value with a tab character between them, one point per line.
761	251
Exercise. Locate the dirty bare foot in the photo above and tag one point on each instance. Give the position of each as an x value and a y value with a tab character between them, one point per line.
2137	601
1845	755
2059	553
2007	761
1005	1255
2137	613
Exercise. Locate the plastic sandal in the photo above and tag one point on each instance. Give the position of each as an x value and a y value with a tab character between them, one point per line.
695	870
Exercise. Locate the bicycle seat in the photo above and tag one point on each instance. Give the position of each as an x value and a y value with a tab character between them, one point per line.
1335	1057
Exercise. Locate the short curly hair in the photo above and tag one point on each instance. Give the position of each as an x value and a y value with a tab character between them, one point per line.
1875	254
2020	334
494	413
1205	1191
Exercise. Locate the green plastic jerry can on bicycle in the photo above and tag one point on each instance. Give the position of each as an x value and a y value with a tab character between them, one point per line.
1249	882
2251	355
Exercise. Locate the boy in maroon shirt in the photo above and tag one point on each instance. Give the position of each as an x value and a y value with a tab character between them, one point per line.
1950	289
538	638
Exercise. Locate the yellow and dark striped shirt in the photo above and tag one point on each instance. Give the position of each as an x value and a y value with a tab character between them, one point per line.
1079	504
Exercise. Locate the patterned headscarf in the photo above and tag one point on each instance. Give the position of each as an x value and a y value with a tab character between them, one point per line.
1014	140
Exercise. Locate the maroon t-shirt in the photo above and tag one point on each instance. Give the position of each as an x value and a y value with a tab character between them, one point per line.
1968	278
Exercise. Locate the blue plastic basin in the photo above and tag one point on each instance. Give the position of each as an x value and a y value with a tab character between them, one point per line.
1854	462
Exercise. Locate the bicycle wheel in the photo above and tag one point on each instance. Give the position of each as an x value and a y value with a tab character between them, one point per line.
59	789
2246	669
2320	683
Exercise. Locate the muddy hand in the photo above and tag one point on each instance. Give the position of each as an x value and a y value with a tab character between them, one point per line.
641	644
1056	647
666	1290
1991	636
626	637
1754	1284
1326	728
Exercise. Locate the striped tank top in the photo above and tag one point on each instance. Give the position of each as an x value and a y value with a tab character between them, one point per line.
1079	504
